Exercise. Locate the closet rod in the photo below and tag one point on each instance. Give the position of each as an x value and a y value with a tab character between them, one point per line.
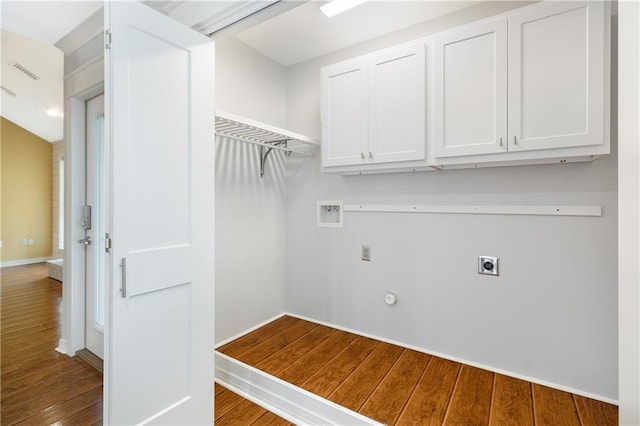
266	144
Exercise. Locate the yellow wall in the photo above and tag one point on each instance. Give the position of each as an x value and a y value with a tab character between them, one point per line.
26	193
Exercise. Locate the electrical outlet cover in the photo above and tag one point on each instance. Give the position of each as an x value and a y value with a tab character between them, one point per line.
488	265
366	253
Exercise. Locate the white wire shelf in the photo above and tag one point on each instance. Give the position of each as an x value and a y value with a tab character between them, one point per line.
251	131
268	137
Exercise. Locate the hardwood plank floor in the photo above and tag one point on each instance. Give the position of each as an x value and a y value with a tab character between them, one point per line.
386	403
233	410
512	402
429	402
389	383
554	407
394	385
471	400
39	385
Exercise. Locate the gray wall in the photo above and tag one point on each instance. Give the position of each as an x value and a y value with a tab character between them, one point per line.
250	211
555	323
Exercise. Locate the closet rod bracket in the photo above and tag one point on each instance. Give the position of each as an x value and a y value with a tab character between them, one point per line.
264	153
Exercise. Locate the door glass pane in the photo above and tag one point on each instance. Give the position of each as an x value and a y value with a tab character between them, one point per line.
100	268
61	203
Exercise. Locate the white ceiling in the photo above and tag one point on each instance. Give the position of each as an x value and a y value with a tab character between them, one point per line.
46	21
27	107
305	32
29	30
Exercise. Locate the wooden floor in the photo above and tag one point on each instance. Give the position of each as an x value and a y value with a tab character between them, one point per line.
40	386
382	381
394	385
233	410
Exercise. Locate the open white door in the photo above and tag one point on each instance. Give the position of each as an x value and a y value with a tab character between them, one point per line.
159	83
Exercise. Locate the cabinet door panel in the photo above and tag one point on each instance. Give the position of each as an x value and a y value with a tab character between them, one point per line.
397	105
470	69
344	114
556	76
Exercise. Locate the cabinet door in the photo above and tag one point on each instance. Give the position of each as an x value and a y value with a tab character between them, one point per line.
556	76
397	105
344	114
470	85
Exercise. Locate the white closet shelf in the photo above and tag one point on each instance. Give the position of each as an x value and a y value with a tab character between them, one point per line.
268	137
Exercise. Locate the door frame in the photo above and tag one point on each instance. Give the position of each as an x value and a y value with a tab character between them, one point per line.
96	250
79	88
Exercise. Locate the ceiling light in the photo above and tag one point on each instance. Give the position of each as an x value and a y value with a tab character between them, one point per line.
52	112
338	6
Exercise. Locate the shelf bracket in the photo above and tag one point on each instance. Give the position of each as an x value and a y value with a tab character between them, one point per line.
264	153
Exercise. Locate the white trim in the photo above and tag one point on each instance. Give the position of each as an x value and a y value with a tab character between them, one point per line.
284	399
62	347
29	261
478	209
462	361
628	212
249	330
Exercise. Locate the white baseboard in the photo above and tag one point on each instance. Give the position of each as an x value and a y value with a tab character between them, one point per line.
242	333
284	399
19	262
463	361
62	347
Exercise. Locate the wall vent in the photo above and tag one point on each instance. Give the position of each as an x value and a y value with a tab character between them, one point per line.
8	92
25	71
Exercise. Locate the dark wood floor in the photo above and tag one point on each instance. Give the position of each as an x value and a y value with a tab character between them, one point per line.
394	385
40	386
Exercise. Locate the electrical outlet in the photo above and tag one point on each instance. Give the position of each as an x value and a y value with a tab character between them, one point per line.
366	253
488	265
30	242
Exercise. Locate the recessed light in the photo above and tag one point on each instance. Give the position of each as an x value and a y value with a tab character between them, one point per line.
338	6
52	112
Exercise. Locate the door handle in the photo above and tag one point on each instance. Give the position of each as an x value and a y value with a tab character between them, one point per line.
123	265
85	241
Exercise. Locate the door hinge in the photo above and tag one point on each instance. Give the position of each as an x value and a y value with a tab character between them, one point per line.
107	39
107	243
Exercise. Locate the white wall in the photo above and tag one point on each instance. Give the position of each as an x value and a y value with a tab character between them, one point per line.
250	211
629	203
550	316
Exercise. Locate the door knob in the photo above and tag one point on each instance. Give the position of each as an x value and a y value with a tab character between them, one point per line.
85	241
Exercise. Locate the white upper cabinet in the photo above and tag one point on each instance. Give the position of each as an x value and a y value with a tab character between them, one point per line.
556	76
470	85
345	100
532	83
373	108
529	86
397	105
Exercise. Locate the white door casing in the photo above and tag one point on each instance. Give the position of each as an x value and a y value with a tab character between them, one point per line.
159	77
397	105
556	76
96	257
470	75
